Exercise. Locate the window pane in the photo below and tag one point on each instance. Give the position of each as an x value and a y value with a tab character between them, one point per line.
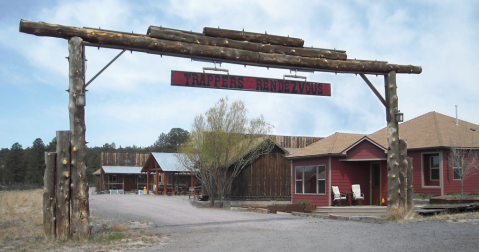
299	173
310	178
457	161
321	172
457	173
321	186
434	174
435	161
299	187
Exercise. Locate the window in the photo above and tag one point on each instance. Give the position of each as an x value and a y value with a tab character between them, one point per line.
112	178
457	166
434	164
142	179
310	179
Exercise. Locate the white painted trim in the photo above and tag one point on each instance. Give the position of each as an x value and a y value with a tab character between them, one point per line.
371	182
441	172
360	141
370	159
441	177
292	179
329	175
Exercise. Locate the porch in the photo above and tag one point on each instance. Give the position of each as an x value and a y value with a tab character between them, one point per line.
367	210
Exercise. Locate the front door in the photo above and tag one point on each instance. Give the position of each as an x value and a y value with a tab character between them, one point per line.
376	184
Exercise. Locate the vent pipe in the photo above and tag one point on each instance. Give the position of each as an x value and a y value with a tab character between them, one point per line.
457	123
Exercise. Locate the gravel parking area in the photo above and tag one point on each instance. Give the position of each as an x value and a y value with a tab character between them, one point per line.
189	228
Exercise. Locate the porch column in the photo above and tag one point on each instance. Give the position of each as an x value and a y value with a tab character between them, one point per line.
156	182
148	182
165	174
173	184
192	181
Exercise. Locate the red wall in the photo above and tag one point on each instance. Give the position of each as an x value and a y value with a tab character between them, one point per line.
344	174
365	150
318	200
471	184
417	183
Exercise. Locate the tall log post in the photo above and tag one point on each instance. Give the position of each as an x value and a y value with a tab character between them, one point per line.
62	184
410	188
80	209
49	200
393	145
403	182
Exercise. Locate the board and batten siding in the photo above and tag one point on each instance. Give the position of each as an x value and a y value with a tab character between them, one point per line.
294	141
123	159
268	177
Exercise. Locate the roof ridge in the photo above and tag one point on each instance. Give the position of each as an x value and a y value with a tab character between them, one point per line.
438	132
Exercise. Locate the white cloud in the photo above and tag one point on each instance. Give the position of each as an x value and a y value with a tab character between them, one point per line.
132	102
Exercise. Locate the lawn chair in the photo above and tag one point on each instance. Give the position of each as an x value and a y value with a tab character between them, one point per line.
357	195
337	195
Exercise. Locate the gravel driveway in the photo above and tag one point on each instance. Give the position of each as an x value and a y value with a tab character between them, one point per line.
189	228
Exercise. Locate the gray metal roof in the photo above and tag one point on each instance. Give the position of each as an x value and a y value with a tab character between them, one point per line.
168	162
122	169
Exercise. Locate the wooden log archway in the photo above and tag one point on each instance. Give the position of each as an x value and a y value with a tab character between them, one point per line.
215	45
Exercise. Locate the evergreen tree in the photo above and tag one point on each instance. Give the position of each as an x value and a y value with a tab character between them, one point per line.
3	155
15	168
35	159
170	142
52	146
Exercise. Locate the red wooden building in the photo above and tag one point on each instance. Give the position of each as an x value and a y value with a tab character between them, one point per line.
344	159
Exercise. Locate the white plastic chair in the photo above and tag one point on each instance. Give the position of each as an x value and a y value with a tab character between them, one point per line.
357	195
337	195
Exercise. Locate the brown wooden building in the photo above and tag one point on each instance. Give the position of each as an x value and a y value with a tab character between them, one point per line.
268	177
121	171
166	170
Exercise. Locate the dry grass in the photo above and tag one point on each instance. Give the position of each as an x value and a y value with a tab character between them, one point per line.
21	229
21	217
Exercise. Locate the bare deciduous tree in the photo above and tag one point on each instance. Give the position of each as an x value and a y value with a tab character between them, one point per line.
222	142
464	161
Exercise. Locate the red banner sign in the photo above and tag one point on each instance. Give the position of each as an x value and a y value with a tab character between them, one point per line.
244	83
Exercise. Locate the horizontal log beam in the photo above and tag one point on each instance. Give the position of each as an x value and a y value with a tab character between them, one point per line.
147	44
253	37
200	39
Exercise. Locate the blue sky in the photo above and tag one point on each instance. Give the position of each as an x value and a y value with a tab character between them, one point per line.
132	102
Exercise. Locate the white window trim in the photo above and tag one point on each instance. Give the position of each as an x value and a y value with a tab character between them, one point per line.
457	167
431	168
317	176
422	170
302	180
296	180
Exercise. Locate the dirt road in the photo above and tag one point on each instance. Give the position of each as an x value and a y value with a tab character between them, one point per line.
189	228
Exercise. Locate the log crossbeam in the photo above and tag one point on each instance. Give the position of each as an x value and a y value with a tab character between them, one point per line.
144	43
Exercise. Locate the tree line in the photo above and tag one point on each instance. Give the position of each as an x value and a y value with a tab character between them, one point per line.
26	165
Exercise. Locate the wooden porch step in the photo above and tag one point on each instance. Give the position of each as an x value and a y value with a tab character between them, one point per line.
353	210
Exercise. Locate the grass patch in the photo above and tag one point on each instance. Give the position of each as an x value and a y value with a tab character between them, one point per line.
21	229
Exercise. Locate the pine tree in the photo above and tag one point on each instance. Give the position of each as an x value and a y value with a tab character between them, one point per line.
15	168
35	159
